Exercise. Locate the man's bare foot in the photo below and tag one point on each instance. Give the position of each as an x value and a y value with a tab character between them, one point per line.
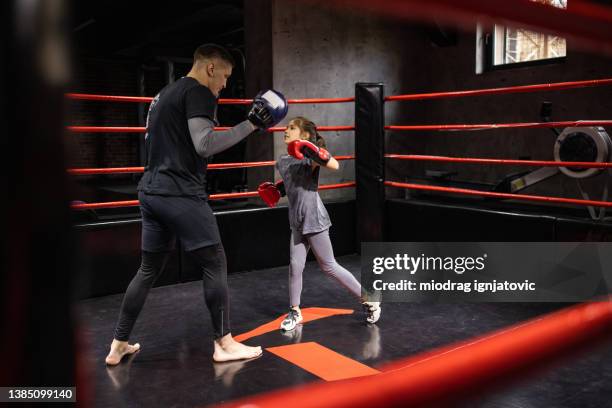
119	349
228	349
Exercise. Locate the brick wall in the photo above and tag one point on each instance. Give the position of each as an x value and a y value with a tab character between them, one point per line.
99	149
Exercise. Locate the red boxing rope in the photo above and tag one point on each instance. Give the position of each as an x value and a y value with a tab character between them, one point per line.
319	128
147	99
501	91
444	376
108	98
139	129
223	196
106	129
217	166
321	100
108	170
530	125
523	197
409	97
539	163
414	157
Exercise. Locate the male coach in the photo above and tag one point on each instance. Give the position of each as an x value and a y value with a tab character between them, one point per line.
179	140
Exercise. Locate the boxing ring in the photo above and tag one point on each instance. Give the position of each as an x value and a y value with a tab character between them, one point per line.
212	166
396	128
459	370
427	378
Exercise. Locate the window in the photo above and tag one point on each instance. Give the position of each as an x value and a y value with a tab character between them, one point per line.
507	47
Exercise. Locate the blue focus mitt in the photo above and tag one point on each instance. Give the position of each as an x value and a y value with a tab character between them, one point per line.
269	108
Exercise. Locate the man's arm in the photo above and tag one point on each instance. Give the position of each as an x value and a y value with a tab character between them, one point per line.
208	141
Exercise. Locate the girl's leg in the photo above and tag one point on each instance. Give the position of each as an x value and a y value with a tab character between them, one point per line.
298	250
322	248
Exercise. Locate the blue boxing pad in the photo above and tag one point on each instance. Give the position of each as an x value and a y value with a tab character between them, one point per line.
269	108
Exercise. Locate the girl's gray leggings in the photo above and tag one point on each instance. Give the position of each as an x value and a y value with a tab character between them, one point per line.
323	251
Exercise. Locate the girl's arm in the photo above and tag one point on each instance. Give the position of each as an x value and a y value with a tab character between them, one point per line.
319	156
332	164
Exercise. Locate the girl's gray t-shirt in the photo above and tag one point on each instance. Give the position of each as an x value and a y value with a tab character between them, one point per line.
307	214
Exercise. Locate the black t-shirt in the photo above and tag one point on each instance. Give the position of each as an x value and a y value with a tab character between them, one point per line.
173	166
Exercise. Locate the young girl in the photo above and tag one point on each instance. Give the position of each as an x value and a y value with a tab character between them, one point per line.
308	217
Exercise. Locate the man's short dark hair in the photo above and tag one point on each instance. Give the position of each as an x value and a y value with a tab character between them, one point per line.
208	51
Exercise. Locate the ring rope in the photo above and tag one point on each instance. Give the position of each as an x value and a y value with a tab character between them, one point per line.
213	166
472	127
521	197
501	91
223	196
141	129
555	86
148	99
454	127
470	160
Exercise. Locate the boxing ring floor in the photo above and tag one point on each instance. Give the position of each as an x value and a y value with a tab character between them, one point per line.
174	367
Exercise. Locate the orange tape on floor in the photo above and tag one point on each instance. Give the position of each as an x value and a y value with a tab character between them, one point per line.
309	314
447	375
322	362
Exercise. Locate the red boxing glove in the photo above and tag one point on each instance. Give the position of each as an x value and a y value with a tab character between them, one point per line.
271	193
303	148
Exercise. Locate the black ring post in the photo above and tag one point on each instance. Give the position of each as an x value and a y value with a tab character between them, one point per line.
370	162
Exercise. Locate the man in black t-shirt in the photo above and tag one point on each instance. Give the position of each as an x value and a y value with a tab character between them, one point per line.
179	140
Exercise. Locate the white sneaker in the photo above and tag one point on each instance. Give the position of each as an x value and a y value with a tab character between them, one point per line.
372	310
293	319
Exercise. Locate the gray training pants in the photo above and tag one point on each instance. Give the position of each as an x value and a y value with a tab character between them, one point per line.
323	251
